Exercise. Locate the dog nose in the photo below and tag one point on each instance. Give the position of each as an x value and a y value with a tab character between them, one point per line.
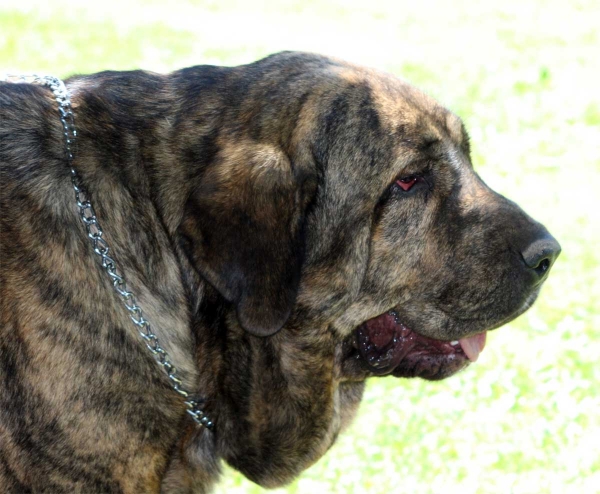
541	254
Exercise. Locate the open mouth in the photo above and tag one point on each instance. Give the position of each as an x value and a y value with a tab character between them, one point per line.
387	346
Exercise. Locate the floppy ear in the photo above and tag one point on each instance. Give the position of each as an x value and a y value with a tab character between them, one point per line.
244	220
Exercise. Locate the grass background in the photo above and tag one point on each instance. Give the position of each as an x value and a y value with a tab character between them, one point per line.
525	76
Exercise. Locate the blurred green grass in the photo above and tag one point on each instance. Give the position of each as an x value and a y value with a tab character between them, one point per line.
525	77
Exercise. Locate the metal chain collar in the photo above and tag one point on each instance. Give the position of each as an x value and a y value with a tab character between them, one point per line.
101	248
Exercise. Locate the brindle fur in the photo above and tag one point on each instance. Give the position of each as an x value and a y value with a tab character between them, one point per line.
249	197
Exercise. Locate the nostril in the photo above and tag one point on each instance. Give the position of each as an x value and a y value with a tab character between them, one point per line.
543	266
541	254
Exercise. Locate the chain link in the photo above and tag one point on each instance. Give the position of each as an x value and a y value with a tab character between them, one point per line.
101	248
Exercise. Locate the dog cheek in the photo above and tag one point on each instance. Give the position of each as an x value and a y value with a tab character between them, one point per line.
334	273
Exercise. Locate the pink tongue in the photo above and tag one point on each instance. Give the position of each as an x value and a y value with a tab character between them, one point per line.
473	345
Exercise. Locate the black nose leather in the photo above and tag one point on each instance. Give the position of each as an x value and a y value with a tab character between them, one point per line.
541	254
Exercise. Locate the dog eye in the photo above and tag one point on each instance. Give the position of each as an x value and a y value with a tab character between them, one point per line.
406	183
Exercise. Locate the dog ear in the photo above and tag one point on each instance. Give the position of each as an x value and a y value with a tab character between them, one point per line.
244	222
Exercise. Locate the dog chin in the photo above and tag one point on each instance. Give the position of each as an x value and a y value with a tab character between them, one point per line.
525	306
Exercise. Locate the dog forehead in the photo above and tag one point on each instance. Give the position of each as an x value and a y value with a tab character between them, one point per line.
398	126
415	118
404	108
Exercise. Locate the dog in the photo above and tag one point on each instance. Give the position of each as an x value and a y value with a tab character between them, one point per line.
291	228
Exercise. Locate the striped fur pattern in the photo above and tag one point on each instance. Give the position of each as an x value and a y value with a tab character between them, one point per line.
255	213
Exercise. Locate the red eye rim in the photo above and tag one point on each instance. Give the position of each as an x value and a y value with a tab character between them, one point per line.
406	183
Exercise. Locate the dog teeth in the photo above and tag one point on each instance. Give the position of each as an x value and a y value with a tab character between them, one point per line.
454	343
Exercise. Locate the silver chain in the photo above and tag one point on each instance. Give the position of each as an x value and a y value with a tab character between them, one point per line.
101	248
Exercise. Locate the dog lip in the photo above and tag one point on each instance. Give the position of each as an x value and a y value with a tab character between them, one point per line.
383	342
386	345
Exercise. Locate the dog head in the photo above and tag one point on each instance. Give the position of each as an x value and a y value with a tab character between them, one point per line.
340	197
